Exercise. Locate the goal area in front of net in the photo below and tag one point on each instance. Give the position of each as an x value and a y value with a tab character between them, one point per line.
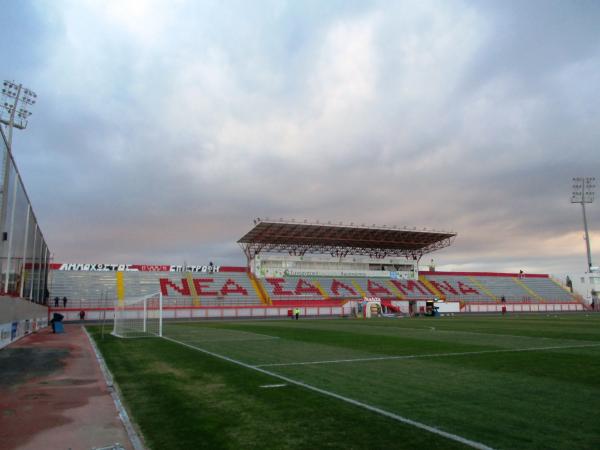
138	316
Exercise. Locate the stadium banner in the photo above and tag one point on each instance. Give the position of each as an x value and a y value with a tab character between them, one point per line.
77	267
448	307
5	334
13	331
276	272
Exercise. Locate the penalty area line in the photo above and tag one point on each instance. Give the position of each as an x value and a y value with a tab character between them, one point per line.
426	355
374	409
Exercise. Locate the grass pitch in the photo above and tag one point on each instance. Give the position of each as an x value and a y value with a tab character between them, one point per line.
512	382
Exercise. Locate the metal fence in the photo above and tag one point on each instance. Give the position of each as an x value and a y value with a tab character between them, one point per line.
24	254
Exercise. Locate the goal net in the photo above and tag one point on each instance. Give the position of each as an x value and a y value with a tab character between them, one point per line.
138	316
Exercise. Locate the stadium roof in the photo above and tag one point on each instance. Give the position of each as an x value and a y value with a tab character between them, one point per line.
298	238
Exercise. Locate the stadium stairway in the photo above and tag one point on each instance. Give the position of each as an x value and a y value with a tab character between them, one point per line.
434	289
262	294
528	289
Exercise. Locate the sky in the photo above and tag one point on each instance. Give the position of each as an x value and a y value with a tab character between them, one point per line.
164	127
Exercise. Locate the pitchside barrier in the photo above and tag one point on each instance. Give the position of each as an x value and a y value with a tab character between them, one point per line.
312	309
20	317
524	307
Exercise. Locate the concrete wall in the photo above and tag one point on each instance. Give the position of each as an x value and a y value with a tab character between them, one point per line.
18	309
19	317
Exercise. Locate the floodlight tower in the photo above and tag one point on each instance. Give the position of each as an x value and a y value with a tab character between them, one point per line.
14	112
583	192
16	100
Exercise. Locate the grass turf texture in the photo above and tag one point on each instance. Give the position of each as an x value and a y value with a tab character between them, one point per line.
182	398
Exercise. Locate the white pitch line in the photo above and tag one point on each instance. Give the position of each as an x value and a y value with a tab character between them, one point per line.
273	385
237	339
383	412
233	335
441	330
426	355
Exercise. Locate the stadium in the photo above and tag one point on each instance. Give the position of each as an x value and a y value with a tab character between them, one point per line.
332	322
325	270
145	305
331	335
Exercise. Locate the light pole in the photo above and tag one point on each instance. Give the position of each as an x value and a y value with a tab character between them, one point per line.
14	113
583	192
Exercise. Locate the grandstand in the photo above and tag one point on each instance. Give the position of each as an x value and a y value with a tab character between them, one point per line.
324	271
327	267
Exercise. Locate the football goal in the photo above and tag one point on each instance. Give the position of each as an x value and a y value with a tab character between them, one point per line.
138	316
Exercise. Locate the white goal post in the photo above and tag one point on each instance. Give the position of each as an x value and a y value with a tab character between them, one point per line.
139	316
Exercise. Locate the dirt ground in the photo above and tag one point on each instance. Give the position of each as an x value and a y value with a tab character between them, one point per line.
53	395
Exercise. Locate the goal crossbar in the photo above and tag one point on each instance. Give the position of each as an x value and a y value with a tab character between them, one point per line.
139	316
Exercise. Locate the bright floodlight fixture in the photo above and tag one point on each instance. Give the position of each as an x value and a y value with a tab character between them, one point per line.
14	108
584	192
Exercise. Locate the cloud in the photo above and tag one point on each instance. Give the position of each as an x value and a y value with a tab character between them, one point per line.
163	128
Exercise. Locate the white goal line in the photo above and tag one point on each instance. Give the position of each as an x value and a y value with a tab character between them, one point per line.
425	355
422	426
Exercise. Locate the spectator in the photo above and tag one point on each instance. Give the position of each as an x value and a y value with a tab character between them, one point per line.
82	315
569	284
432	266
64	302
56	302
